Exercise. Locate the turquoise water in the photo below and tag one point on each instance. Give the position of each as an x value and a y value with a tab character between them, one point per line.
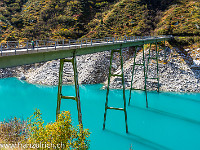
172	122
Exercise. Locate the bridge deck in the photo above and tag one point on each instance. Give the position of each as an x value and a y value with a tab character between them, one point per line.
13	58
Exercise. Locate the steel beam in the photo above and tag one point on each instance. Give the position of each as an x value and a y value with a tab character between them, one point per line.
42	56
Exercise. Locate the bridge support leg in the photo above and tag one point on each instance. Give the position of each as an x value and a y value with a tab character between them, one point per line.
124	98
60	96
141	64
157	67
165	60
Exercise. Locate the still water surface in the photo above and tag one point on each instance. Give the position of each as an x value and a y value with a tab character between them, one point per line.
171	123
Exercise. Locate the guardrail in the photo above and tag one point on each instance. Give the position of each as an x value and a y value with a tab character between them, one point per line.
17	48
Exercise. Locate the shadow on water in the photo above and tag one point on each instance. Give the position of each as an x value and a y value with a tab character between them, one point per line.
164	113
177	96
138	139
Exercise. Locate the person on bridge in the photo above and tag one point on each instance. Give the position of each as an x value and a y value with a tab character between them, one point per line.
33	44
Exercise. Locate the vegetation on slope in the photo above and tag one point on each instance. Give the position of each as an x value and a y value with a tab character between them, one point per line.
10	18
128	17
141	17
42	19
51	18
183	20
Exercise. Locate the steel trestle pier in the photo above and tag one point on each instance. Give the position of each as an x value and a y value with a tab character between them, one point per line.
14	53
124	98
60	96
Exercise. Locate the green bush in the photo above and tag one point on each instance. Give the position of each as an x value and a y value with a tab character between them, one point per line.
59	132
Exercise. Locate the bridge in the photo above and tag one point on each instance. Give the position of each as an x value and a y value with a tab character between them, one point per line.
15	53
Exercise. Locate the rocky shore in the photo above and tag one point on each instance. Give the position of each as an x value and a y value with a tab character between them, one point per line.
177	73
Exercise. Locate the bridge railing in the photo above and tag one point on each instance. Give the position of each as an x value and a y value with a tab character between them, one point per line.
17	47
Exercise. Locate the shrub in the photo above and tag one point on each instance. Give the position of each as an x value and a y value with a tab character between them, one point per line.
60	132
13	130
33	133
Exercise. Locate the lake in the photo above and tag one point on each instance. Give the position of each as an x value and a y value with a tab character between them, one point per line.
171	122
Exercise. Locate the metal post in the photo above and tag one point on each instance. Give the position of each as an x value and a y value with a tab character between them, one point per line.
81	43
47	45
59	88
1	50
141	64
132	76
165	52
15	49
55	45
155	58
60	96
18	44
37	45
147	72
7	45
69	43
106	104
157	52
145	79
77	90
27	46
91	42
63	42
124	99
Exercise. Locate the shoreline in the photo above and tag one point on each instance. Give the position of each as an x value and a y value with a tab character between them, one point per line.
177	75
103	87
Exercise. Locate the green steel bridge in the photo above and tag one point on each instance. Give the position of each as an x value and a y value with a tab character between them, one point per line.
15	53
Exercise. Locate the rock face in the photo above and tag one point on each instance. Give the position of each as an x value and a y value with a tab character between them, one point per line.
92	68
177	74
